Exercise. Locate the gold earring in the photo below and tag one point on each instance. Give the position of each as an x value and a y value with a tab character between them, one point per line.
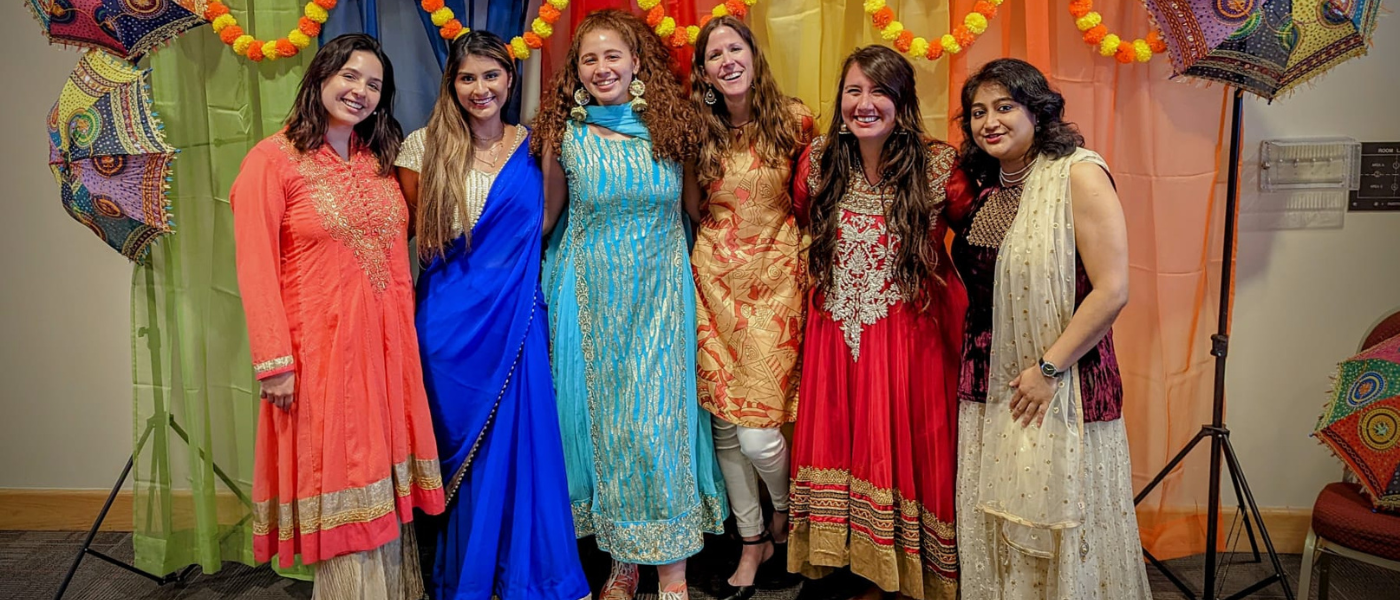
581	99
710	98
843	130
637	88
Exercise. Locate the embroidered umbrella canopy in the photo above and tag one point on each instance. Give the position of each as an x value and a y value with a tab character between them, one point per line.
1361	423
1266	47
126	28
109	156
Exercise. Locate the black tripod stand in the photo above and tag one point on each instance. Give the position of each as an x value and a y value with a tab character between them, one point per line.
151	425
1216	431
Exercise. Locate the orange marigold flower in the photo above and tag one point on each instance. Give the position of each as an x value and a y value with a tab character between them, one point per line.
705	19
326	4
255	52
214	11
431	5
679	38
935	51
533	41
309	27
737	8
450	30
655	15
1079	8
881	18
902	42
1095	35
285	47
1154	40
986	9
1125	53
548	13
230	33
964	37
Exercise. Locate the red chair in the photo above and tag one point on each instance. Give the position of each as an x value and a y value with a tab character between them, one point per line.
1344	523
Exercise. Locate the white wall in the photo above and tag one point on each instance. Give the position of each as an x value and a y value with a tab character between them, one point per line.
65	307
1304	297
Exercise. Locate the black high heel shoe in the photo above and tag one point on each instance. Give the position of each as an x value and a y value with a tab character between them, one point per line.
772	574
725	591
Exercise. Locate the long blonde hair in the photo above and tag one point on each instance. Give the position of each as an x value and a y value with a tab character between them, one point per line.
777	135
449	150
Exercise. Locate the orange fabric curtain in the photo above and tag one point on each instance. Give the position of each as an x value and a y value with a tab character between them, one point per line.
1163	141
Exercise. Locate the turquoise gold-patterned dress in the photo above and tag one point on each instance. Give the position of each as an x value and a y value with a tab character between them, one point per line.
640	458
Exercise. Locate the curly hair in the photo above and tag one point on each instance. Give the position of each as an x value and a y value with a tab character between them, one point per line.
777	136
449	147
1028	87
905	165
668	115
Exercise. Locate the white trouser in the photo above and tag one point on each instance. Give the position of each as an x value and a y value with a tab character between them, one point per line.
742	451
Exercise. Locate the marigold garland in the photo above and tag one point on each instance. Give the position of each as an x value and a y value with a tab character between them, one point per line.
244	44
962	36
1097	34
679	37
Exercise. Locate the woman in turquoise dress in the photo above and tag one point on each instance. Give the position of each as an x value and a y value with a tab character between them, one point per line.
613	135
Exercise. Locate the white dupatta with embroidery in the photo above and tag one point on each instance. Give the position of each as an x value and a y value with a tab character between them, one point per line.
1031	477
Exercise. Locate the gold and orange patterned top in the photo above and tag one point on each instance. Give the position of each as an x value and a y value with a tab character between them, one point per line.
750	265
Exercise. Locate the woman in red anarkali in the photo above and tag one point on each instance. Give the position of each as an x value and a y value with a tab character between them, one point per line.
874	449
345	448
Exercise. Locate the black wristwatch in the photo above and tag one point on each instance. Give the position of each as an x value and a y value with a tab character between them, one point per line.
1049	370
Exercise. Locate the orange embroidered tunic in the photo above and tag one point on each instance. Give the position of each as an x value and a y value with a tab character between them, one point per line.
749	261
322	251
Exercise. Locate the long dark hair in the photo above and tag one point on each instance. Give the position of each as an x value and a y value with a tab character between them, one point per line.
669	116
307	123
904	164
450	149
776	135
1028	87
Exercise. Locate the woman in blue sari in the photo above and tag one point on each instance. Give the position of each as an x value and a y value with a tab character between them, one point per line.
613	133
484	342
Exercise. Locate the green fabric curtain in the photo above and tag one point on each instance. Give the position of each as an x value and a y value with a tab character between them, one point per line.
196	399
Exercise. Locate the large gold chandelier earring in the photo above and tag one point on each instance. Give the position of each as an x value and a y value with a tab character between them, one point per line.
637	88
581	99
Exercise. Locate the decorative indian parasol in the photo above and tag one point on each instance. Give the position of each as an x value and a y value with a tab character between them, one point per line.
109	156
1361	423
1266	47
126	28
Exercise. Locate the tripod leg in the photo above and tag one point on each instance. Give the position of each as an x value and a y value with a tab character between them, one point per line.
1234	464
1248	528
96	525
1180	456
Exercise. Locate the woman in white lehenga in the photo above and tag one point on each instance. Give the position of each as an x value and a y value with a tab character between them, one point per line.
1044	492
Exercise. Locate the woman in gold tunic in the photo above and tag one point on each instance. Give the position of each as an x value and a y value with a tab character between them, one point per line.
749	266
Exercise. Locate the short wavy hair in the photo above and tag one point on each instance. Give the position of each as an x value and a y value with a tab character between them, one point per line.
1028	87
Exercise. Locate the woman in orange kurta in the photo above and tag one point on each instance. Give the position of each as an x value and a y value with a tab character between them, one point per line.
749	270
345	448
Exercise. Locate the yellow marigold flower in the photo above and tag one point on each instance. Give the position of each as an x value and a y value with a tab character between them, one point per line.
522	51
1142	51
299	39
270	51
666	28
315	13
950	44
442	15
541	28
918	47
892	30
719	11
241	45
1109	45
223	21
976	23
692	33
873	5
1088	21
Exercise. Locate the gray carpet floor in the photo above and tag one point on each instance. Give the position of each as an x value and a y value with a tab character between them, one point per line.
33	563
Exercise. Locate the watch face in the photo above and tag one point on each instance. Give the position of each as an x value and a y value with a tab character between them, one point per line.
1048	369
